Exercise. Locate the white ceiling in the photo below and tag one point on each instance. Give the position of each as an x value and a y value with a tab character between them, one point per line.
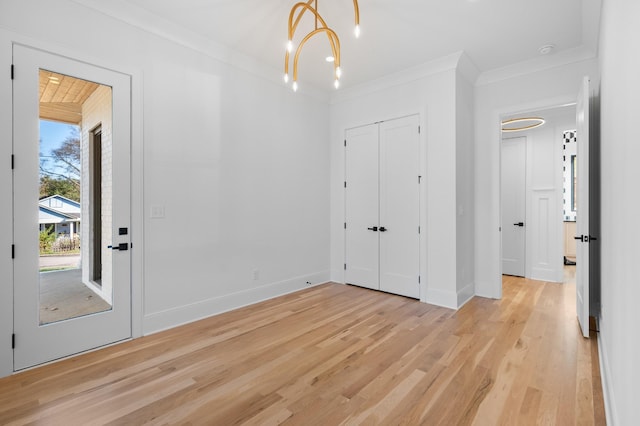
396	34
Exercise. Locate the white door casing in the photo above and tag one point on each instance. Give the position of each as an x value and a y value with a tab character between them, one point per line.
513	208
35	343
582	214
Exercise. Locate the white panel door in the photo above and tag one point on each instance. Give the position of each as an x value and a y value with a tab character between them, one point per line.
361	205
399	206
513	185
582	212
40	337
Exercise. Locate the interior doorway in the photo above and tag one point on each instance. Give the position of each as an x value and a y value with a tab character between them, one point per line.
95	204
542	196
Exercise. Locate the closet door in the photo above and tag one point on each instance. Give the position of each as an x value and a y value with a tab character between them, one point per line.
399	206
361	205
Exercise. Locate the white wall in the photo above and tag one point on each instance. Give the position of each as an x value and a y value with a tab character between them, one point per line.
433	96
620	150
549	87
238	162
465	198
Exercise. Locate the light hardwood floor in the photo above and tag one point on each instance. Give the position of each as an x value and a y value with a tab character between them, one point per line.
335	354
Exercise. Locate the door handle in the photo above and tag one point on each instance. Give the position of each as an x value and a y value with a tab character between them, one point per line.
121	246
519	224
374	229
383	229
592	238
580	238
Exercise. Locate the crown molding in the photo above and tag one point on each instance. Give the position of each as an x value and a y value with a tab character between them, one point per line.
142	19
408	75
542	63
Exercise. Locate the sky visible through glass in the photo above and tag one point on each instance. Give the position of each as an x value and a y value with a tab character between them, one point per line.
52	134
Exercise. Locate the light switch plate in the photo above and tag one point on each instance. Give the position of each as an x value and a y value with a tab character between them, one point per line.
157	212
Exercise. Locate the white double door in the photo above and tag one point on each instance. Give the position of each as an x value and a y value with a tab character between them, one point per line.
382	200
79	299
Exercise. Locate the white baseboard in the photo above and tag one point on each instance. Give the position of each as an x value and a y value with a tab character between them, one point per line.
465	294
446	299
180	315
542	274
337	276
488	290
605	374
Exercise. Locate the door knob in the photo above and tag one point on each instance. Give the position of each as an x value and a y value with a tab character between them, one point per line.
519	224
121	246
374	229
383	229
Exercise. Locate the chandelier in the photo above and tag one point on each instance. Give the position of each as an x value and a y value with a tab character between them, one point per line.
296	14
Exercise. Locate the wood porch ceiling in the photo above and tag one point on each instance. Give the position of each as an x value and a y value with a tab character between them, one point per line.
61	97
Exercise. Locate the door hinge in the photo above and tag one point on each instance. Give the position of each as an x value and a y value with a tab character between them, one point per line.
13	341
345	225
345	266
418	229
418	279
418	129
13	251
345	143
12	72
345	183
419	179
13	161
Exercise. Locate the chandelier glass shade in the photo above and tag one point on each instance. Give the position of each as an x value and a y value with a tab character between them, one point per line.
295	15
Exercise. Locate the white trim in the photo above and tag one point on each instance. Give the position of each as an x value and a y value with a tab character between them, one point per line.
465	295
6	214
532	66
446	63
446	299
145	20
605	374
137	203
192	312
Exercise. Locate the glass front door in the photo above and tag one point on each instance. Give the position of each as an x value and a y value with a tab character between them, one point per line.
71	132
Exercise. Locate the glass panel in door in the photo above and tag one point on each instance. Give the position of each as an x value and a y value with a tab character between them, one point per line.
72	205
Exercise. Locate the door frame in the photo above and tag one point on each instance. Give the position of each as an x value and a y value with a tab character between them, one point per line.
494	245
7	40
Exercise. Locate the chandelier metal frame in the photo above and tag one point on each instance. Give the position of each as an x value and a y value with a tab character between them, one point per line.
295	15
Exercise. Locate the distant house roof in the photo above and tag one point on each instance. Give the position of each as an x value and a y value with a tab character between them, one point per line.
58	209
61	203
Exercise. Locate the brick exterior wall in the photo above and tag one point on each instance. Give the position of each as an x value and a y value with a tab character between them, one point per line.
96	111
